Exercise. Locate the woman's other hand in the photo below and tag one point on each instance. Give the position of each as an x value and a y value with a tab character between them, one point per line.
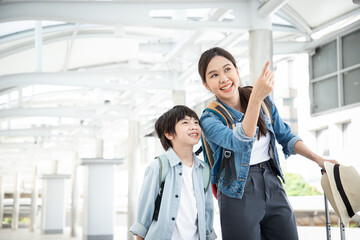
321	162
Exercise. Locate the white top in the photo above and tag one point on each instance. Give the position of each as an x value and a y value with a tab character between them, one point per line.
186	225
260	150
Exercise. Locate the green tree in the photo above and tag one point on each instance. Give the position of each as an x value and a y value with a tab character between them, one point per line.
296	186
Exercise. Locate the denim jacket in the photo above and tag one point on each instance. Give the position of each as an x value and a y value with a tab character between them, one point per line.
221	137
163	228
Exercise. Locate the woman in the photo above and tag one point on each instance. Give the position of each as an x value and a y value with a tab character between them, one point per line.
254	205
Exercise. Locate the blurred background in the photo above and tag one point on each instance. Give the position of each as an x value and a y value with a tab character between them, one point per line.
83	82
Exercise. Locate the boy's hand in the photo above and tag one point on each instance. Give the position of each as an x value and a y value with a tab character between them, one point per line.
264	84
139	238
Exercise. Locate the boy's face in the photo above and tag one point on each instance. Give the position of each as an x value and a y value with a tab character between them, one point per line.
188	132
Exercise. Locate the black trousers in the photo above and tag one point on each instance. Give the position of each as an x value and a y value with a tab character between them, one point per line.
264	211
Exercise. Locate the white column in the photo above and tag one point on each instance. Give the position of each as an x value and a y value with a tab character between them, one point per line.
55	166
34	207
179	97
53	204
99	198
133	165
99	148
74	197
1	200
260	48
260	42
16	205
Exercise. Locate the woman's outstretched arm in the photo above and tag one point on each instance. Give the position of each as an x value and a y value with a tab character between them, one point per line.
303	150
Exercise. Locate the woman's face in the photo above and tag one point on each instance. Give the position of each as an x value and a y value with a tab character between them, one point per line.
222	78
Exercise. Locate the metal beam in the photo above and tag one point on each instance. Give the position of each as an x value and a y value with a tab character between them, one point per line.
96	111
289	48
290	15
270	7
69	47
48	131
124	13
56	37
106	80
332	36
85	30
348	18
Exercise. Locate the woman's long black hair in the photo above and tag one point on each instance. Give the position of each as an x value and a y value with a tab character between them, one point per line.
244	92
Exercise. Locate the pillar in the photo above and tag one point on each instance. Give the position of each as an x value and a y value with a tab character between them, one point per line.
34	207
53	203
99	198
260	42
74	197
133	165
179	97
16	205
1	200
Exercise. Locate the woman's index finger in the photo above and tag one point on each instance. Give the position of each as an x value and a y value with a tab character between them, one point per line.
265	68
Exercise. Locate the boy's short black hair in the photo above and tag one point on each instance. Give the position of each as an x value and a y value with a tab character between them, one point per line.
166	123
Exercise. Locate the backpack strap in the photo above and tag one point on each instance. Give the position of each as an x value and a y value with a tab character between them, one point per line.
163	171
228	156
266	106
207	152
206	176
164	167
222	112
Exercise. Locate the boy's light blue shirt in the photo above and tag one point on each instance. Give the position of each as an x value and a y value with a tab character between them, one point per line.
164	227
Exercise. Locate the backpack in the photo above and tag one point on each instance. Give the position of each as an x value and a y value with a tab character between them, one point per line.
164	170
228	156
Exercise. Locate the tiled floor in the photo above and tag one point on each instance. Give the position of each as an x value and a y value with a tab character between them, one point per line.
305	233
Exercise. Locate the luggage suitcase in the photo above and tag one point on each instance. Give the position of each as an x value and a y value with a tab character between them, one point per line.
327	219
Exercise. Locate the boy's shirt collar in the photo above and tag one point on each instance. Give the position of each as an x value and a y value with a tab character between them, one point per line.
175	160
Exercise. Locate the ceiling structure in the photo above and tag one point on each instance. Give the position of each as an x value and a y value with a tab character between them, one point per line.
74	72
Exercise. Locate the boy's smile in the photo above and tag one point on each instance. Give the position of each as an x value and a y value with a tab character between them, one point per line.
188	132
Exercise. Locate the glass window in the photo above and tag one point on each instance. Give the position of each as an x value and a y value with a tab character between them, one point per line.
325	95
351	49
352	86
324	61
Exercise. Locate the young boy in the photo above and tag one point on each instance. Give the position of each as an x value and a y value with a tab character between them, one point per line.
186	211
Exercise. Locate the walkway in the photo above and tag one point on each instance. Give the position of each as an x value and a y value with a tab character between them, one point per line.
305	233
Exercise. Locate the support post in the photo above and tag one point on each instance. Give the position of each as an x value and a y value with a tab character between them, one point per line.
1	200
179	97
260	42
74	197
133	164
34	207
99	198
16	205
53	203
